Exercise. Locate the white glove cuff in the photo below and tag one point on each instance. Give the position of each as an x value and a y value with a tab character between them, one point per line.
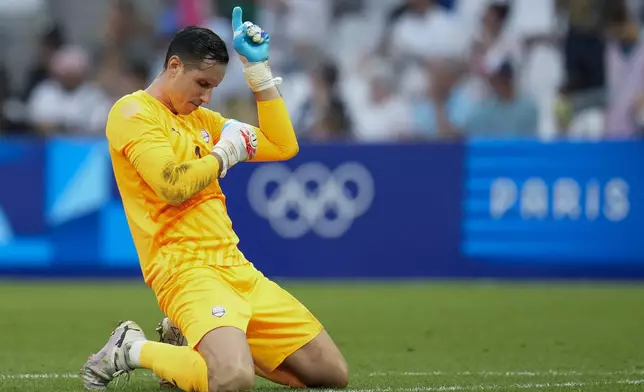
259	76
228	154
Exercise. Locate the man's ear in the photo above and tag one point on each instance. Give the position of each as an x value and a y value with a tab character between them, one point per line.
175	65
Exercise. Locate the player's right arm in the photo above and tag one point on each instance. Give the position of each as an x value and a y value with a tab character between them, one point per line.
133	131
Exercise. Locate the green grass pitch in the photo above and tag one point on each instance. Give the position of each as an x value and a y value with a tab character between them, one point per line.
412	337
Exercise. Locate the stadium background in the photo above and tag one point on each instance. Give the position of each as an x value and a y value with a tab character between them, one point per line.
471	139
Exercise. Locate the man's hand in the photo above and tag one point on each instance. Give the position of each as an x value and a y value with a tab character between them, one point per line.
250	41
237	143
252	45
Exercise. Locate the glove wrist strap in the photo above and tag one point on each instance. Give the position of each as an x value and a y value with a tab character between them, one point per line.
227	153
259	76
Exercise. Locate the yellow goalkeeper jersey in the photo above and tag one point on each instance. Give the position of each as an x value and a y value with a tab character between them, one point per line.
159	158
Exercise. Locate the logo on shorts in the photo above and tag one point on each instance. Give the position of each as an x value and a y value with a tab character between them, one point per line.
218	311
313	197
205	135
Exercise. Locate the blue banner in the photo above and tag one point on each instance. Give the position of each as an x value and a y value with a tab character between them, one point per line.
494	209
23	225
342	211
558	202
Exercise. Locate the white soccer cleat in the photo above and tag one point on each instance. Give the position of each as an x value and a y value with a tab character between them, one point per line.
112	360
170	334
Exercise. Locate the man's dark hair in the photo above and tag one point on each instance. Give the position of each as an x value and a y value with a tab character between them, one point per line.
501	10
54	36
194	44
329	73
615	13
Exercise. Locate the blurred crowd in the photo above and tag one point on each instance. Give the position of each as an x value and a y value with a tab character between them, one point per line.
359	70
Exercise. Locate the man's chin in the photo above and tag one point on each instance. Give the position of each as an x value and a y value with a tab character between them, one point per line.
188	109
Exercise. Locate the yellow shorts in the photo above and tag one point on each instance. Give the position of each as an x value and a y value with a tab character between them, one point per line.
203	298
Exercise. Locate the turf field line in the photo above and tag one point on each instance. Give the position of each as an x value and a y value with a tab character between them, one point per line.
35	376
387	374
442	388
509	373
495	387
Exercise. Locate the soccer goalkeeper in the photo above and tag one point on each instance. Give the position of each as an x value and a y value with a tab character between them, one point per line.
168	153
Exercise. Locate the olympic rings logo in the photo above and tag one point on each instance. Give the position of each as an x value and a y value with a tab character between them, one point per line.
311	198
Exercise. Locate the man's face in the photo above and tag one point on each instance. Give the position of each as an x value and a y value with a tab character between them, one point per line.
71	80
491	20
191	85
500	83
420	5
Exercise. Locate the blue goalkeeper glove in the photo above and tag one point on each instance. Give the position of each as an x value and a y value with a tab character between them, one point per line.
252	44
250	41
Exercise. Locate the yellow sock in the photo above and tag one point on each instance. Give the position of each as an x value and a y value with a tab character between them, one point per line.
181	365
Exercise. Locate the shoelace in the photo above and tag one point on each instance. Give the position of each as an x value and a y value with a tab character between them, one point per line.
117	375
117	378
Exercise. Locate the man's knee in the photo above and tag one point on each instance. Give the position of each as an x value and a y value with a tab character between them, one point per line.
326	375
319	364
338	375
231	378
344	376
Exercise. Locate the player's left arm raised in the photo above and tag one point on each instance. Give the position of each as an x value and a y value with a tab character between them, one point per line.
276	138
